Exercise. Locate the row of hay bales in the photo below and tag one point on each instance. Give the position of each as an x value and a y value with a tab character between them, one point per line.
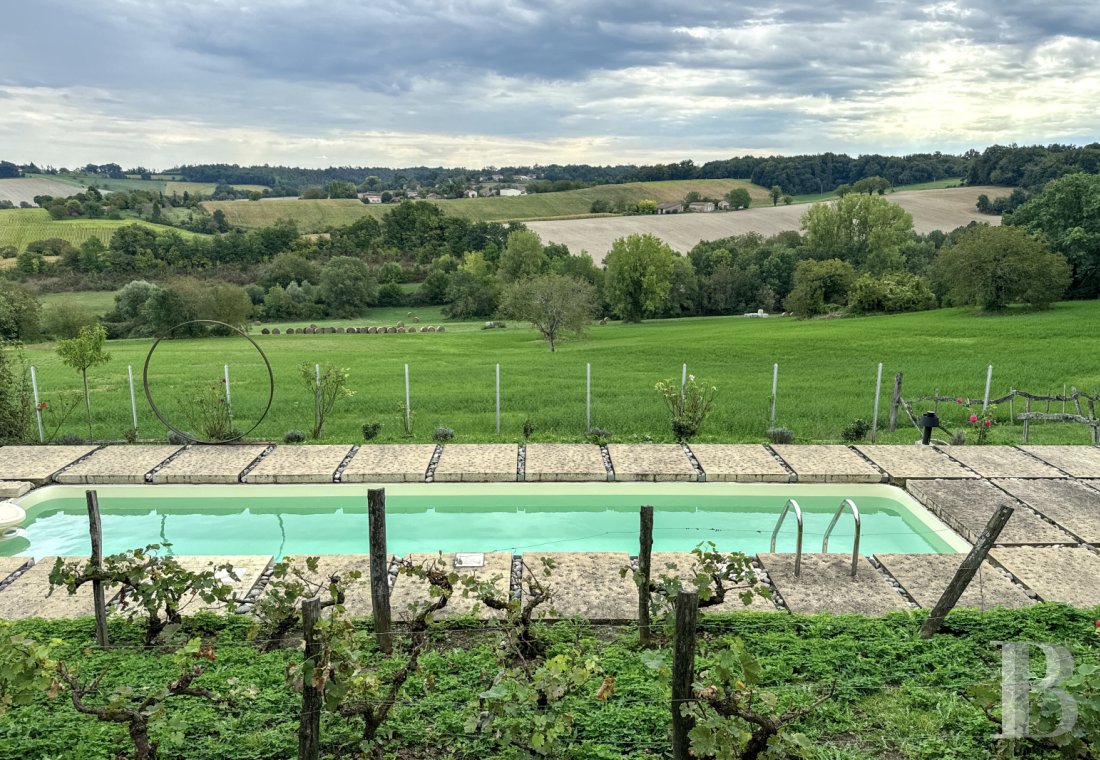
315	330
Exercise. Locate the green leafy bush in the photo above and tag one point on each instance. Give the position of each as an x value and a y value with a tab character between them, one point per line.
856	430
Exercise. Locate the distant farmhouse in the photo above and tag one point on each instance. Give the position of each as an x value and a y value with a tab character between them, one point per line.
670	208
511	192
471	193
370	197
701	207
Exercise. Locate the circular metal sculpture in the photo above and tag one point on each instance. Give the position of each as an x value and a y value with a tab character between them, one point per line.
189	436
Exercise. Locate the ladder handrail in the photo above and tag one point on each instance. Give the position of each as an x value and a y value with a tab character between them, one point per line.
855	542
798	540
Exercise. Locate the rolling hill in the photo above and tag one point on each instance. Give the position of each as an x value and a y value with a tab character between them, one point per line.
18	227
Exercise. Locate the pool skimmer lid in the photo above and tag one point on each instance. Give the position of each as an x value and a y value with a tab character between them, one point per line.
469	559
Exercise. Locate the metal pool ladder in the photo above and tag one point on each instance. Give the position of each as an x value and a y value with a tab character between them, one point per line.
855	542
798	541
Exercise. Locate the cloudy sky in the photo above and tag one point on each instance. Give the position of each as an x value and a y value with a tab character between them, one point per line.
482	82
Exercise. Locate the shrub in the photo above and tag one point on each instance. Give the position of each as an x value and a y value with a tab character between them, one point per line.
528	428
688	406
856	430
599	436
327	385
891	292
176	439
16	398
70	439
130	436
371	430
294	436
443	434
780	435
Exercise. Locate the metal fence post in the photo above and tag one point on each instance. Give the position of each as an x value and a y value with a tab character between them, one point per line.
587	399
37	406
408	412
228	399
878	391
133	400
988	381
683	379
498	399
775	387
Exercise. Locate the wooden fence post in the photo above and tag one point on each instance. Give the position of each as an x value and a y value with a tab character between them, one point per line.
683	671
895	402
95	527
379	569
645	570
966	571
1027	420
309	721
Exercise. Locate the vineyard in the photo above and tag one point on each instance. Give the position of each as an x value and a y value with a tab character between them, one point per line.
19	227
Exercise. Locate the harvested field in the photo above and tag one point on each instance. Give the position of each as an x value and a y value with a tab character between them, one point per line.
25	188
943	209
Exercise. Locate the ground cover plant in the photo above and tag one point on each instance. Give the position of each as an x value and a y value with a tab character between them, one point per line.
896	695
826	376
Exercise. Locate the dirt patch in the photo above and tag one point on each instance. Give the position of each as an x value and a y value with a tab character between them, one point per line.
942	209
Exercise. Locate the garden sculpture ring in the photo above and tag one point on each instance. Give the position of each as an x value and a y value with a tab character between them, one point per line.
189	436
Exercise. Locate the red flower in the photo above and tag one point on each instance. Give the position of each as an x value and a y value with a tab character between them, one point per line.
1098	623
959	400
973	418
988	423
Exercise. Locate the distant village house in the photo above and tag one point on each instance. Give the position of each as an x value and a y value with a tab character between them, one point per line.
701	207
670	208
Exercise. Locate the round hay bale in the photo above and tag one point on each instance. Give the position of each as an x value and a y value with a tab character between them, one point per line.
409	314
424	328
313	327
372	330
416	320
311	330
429	328
441	328
274	330
391	329
339	329
400	324
265	331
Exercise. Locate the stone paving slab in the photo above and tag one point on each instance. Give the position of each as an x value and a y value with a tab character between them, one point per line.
912	462
37	463
409	590
828	464
967	506
477	462
247	568
1001	462
357	599
13	489
209	464
1078	461
1072	505
117	464
1069	574
389	463
564	461
739	462
588	585
925	576
683	564
299	464
650	461
26	596
827	585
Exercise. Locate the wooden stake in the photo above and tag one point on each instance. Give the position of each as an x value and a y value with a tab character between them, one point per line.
966	571
895	402
379	569
1027	420
683	671
645	565
309	721
95	527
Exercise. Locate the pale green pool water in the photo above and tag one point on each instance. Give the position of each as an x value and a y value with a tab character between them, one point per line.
435	517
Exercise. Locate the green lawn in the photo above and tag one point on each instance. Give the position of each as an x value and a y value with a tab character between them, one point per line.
320	215
19	227
826	375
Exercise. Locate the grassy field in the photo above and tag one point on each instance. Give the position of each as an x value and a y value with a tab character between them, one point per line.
201	188
826	375
19	227
318	215
98	302
939	184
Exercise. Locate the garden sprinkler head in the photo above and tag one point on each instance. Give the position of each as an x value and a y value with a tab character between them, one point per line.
928	422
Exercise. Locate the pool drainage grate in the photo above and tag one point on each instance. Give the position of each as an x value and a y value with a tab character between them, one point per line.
521	463
338	476
791	476
429	475
243	477
149	475
700	475
607	465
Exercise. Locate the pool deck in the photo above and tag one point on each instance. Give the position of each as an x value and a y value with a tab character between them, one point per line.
1048	551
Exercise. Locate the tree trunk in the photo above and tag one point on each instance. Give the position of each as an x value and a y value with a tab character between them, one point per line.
87	402
139	735
550	340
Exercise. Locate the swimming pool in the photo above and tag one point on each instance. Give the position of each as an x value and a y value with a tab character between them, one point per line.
473	517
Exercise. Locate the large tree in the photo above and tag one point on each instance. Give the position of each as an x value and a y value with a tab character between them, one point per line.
639	268
555	304
857	228
992	267
523	257
819	285
1067	215
347	286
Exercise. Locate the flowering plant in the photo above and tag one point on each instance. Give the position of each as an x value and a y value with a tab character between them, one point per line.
688	406
981	421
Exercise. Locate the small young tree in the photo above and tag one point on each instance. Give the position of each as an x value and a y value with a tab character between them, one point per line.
328	385
688	407
149	582
82	353
555	304
16	396
776	193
